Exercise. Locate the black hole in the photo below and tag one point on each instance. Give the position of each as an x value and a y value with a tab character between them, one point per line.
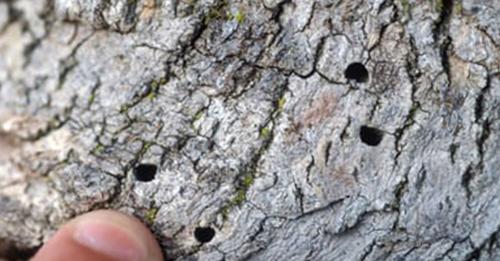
145	172
357	72
371	136
204	234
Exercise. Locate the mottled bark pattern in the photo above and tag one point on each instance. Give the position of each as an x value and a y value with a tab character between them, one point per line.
242	118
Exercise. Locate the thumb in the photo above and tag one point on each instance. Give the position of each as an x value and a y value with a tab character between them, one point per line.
102	235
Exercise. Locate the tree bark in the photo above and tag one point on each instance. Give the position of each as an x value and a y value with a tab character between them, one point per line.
284	129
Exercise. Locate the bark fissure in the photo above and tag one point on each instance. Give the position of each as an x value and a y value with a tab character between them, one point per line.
245	109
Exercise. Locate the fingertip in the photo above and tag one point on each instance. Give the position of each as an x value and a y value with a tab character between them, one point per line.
101	235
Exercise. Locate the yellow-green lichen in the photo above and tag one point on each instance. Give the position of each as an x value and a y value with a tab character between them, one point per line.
265	133
240	196
154	87
281	104
151	96
91	98
459	8
239	17
248	181
99	149
150	215
147	145
198	116
406	7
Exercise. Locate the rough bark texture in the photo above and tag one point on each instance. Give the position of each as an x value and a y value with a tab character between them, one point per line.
257	127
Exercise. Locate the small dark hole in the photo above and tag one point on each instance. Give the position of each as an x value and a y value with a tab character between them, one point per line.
475	9
204	234
371	136
357	72
145	172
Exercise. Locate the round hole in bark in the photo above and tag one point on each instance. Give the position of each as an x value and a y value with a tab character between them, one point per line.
357	72
145	172
204	234
370	136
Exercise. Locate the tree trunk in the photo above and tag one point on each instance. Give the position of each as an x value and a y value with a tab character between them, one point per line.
255	129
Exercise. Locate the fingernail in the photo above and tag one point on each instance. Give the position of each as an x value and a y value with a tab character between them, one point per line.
110	240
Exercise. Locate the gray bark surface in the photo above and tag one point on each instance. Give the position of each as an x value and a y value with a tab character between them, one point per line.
256	132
